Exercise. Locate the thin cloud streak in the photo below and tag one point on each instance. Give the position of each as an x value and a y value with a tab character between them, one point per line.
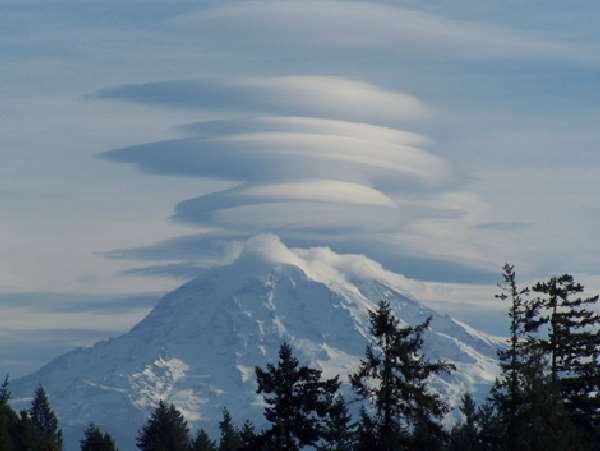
326	26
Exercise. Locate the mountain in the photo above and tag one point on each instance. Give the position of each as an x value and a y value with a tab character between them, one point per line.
199	346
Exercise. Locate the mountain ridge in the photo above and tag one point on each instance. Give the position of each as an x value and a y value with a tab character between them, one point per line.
198	347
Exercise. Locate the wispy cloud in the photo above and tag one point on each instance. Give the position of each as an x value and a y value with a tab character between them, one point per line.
322	26
38	326
76	303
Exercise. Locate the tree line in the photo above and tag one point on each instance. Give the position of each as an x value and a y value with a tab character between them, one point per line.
545	398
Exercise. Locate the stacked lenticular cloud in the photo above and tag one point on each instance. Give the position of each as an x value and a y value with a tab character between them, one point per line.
315	160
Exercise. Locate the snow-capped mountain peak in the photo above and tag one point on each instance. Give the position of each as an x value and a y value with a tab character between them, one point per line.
199	346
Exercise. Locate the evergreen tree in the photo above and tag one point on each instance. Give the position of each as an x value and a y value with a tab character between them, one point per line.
4	392
165	430
202	442
547	425
511	358
7	418
46	434
338	430
491	431
230	436
543	423
96	440
427	435
297	401
5	442
394	375
465	436
366	435
507	394
249	437
526	410
573	345
24	434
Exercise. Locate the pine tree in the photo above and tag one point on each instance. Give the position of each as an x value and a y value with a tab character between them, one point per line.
297	401
573	345
7	418
4	433
338	430
526	409
511	358
46	434
96	440
546	424
10	428
230	437
427	435
202	442
366	437
4	392
465	436
249	437
25	437
491	430
165	430
394	374
507	394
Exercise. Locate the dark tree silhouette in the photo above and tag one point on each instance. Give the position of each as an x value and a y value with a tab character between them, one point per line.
230	436
394	374
338	428
44	425
527	408
573	345
4	392
465	437
202	442
508	393
366	435
297	401
165	430
96	440
249	437
8	419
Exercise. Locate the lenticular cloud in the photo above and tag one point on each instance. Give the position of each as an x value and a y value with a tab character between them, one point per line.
262	156
316	160
307	96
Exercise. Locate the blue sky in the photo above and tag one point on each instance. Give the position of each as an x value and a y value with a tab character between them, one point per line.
140	141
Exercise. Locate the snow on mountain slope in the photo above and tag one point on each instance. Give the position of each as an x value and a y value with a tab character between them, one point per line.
199	346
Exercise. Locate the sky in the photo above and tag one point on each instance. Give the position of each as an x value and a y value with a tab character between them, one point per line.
143	141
